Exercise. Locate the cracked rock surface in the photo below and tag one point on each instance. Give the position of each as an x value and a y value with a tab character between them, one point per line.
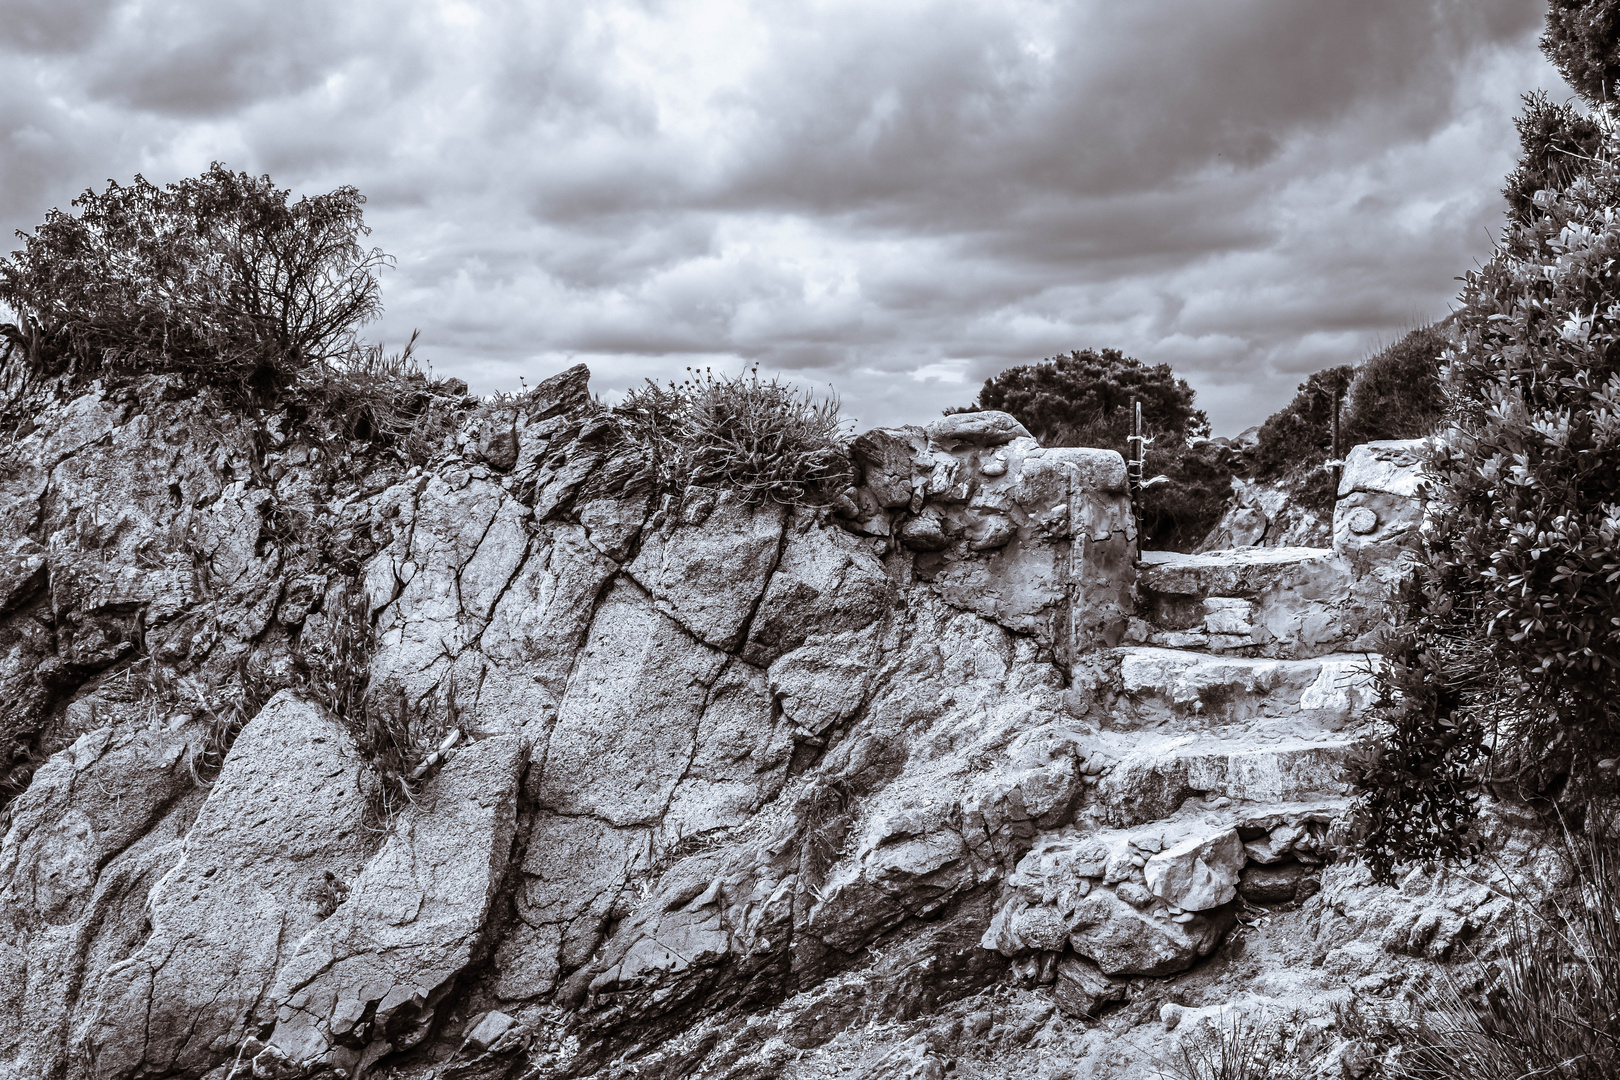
942	772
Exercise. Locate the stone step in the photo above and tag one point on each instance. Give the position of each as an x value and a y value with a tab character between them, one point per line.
1153	899
1284	603
1201	776
1194	689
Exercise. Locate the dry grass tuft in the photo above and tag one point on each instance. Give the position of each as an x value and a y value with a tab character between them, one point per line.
1243	1047
385	399
1549	1003
763	438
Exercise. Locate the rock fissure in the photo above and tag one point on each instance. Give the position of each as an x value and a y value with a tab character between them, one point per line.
739	791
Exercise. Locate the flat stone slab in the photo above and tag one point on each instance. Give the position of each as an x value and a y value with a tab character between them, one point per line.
1335	688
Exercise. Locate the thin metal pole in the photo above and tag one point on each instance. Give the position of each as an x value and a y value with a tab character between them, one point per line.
1338	466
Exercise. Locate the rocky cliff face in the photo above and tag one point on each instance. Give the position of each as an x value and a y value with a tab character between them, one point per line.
943	774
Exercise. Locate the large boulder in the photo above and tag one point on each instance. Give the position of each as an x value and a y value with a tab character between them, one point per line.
368	980
1198	873
280	836
95	831
708	570
1123	940
1380	501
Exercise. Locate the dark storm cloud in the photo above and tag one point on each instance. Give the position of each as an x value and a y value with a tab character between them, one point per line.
896	198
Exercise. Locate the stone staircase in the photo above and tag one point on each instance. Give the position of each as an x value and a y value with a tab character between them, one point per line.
1240	689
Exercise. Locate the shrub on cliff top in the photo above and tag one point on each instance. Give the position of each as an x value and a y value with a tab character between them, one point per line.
1295	441
1396	392
1084	399
219	277
763	438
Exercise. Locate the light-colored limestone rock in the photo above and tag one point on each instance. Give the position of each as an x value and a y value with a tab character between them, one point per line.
1179	683
575	869
1153	782
708	575
1122	940
99	826
989	428
1198	873
1380	503
1286	603
628	724
372	975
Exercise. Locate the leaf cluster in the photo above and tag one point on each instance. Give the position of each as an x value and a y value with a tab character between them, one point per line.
1582	39
1517	617
1557	141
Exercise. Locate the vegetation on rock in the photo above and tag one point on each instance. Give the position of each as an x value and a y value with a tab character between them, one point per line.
1506	670
220	276
1295	442
1550	1006
223	282
1396	393
761	437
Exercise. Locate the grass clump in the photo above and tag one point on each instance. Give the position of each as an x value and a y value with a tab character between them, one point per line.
385	400
764	438
1244	1047
1548	1004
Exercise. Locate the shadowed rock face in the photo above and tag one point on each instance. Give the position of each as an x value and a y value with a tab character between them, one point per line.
738	781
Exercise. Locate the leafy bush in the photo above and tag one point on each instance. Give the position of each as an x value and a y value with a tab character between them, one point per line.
1556	142
1396	393
220	277
763	438
1521	546
1582	40
1084	399
1418	781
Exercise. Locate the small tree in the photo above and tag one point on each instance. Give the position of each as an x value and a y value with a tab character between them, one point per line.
219	276
1084	399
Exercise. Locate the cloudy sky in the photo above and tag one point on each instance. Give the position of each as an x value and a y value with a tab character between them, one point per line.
895	198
